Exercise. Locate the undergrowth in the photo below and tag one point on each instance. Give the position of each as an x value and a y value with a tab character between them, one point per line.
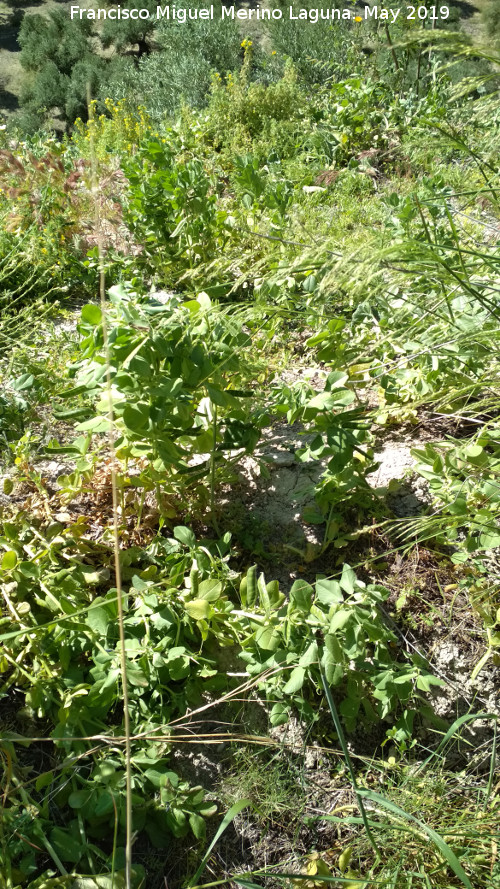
293	213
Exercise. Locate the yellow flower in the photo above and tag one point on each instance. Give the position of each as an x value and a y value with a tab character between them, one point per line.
358	18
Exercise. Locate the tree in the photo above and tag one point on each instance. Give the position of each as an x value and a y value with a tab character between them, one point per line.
58	54
54	38
491	18
125	33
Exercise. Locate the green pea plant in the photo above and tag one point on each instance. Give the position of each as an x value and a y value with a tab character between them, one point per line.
263	189
61	656
181	390
170	208
337	627
339	437
464	481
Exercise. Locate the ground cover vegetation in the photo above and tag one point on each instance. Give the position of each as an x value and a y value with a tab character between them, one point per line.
213	240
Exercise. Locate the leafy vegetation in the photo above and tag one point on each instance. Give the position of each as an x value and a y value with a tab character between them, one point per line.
287	234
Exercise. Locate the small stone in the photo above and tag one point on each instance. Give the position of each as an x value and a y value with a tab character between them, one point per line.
279	459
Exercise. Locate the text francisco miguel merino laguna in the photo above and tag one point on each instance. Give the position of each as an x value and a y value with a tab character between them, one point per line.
183	14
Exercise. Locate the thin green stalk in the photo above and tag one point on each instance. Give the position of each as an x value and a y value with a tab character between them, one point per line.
493	761
342	741
213	468
116	539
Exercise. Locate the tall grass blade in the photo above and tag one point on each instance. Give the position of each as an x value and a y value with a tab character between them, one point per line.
226	821
453	729
341	737
438	841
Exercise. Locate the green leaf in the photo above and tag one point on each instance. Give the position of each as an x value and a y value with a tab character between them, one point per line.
340	619
66	846
97	424
197	825
335	380
157	779
425	681
328	592
268	638
473	450
94	577
185	536
301	595
348	579
207	809
210	589
309	284
9	560
104	804
489	540
136	416
92	314
44	780
279	714
349	707
198	609
310	655
78	798
333	648
327	401
220	398
295	682
25	381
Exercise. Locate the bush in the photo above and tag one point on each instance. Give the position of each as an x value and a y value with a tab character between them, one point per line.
181	69
252	117
57	53
491	18
318	51
124	33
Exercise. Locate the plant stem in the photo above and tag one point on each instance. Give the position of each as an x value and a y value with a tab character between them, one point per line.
212	468
341	737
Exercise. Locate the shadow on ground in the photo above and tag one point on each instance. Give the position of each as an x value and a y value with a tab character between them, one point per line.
8	38
8	101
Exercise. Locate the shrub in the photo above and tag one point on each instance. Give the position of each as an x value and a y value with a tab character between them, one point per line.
318	51
57	53
250	116
123	33
181	69
491	18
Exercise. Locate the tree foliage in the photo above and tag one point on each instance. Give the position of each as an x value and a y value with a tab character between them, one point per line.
123	34
491	18
58	56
